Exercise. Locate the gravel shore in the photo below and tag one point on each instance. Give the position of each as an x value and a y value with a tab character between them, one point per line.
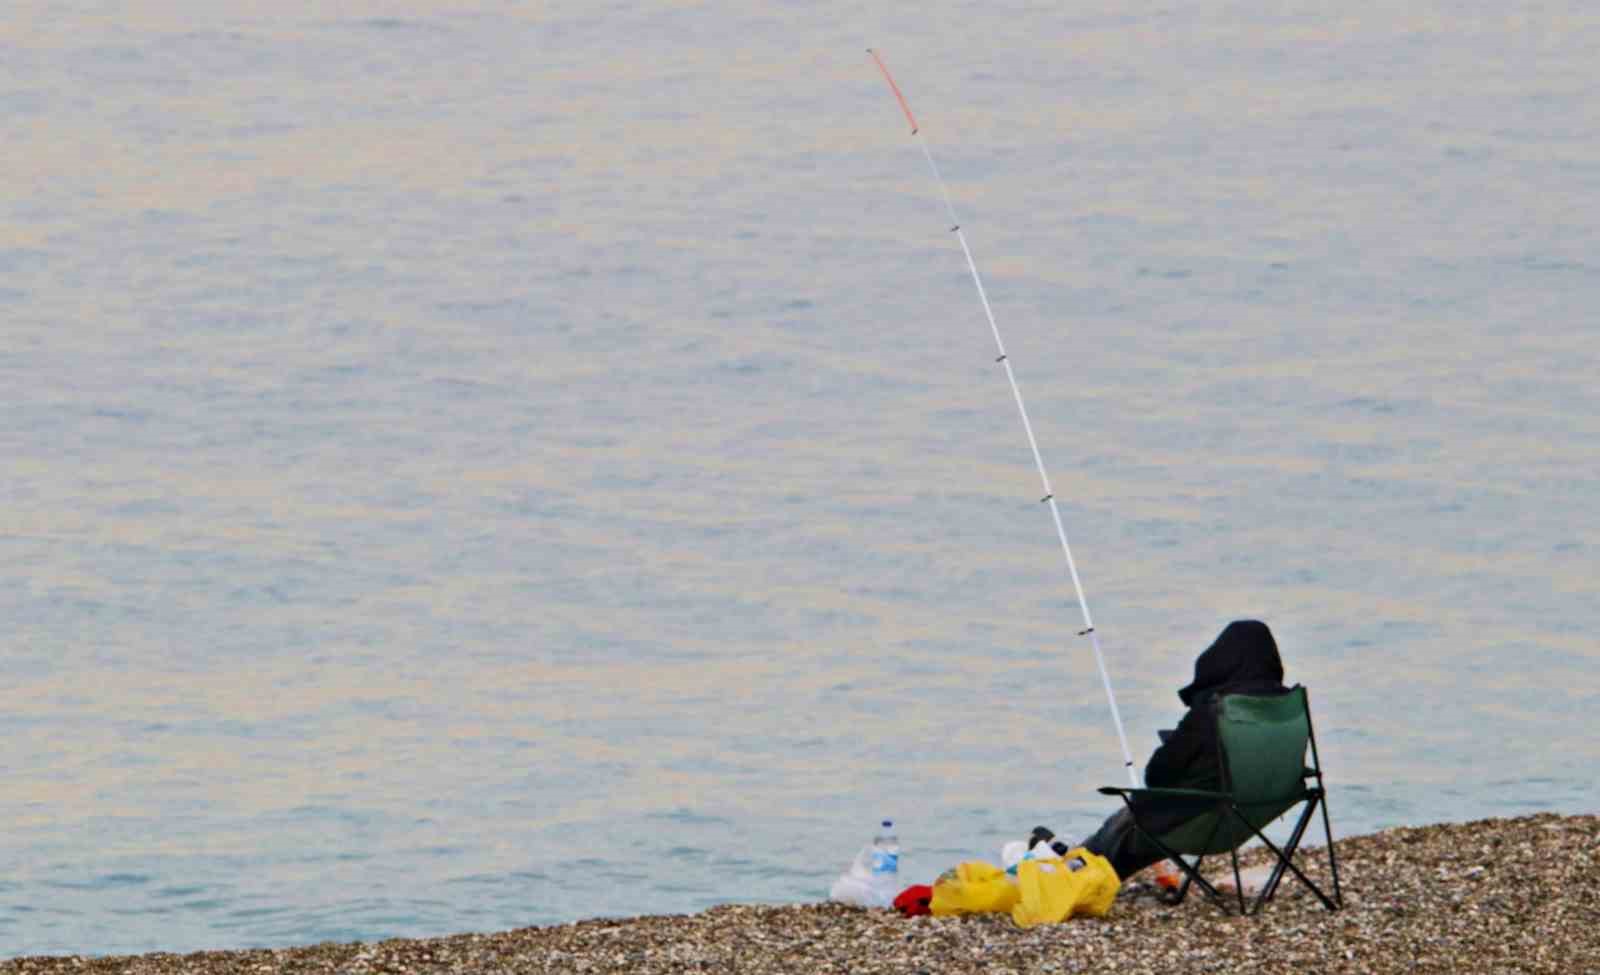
1497	895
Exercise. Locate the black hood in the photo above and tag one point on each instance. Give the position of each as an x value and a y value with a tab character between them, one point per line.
1244	653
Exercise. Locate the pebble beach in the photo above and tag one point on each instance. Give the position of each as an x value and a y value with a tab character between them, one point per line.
1495	895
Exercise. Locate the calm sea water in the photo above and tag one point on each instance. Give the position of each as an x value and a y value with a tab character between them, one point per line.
472	465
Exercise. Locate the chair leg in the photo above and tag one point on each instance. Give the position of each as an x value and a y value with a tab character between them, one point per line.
1238	881
1333	862
1190	873
1286	859
1271	886
1183	888
1322	791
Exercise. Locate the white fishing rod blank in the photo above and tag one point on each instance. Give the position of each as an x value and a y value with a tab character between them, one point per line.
1016	391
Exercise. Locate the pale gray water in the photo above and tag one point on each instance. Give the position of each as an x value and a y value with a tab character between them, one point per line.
472	465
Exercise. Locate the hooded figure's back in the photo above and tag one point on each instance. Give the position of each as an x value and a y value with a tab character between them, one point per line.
1243	656
1242	660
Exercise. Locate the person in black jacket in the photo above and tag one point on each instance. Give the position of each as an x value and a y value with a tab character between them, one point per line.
1242	660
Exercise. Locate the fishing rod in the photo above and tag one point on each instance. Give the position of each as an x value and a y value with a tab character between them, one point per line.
1016	392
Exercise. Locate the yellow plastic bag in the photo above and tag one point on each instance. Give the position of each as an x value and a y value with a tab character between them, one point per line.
1050	893
973	887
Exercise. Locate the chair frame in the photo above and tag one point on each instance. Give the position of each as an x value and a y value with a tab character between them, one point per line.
1228	806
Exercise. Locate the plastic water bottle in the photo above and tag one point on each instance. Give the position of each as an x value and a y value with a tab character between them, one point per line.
873	879
885	865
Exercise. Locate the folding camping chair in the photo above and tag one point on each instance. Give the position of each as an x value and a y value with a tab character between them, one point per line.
1262	743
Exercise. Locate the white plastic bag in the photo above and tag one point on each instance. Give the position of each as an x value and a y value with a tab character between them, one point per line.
863	888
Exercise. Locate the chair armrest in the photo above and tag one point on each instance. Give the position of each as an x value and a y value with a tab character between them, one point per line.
1112	790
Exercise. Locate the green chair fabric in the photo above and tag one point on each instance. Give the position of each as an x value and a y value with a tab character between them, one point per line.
1262	744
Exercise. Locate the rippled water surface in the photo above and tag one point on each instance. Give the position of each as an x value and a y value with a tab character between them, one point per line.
470	465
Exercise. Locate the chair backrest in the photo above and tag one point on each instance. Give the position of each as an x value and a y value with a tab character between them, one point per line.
1263	749
1263	741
